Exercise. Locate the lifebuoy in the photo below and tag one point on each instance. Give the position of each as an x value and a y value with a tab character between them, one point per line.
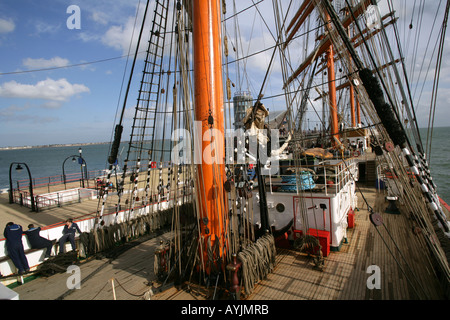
356	153
389	146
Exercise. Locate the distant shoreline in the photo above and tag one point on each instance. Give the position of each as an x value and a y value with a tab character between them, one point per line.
54	145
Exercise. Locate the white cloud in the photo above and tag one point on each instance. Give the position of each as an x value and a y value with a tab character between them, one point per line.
22	114
51	104
45	63
103	12
113	25
100	17
118	36
6	26
49	89
22	118
11	111
41	27
86	37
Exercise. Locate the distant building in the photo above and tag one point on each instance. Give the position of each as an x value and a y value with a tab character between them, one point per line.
241	102
277	119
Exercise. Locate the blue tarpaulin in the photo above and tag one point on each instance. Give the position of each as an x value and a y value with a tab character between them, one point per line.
306	182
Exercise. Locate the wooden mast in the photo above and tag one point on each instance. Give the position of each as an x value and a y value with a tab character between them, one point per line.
352	107
332	95
352	92
358	112
208	109
325	46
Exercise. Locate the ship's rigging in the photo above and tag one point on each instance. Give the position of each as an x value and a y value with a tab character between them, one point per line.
348	65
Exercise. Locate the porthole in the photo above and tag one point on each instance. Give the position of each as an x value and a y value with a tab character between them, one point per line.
280	207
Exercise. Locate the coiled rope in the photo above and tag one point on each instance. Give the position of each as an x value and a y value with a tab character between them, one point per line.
258	260
311	245
108	237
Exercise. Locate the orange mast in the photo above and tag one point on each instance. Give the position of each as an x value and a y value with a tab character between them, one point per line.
332	95
208	108
352	92
358	112
352	106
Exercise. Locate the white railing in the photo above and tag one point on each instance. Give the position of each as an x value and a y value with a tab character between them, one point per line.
328	176
64	197
53	199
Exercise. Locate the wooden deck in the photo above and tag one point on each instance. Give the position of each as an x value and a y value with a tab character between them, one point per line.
49	216
344	276
132	272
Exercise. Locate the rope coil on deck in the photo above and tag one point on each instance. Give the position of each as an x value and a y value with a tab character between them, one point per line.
258	260
107	237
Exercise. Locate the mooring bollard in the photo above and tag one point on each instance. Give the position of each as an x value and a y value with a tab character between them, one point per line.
234	268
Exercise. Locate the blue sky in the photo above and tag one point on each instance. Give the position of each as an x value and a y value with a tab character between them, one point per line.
78	103
72	104
67	105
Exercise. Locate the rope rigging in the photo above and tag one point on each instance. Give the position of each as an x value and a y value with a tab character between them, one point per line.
394	130
436	80
177	182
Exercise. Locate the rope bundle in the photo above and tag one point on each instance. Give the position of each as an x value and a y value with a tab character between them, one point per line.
311	245
307	243
258	260
107	237
57	264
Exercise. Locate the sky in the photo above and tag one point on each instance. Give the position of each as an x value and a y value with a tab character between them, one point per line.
67	105
77	100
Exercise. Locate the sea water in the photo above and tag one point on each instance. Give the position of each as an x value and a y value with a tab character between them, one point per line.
48	161
439	160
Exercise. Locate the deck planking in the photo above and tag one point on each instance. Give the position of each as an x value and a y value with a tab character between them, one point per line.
132	272
344	276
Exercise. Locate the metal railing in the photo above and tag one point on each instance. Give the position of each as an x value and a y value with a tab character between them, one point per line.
21	196
323	177
76	176
54	199
57	179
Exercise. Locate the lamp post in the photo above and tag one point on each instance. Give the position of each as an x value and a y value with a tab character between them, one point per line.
18	169
82	163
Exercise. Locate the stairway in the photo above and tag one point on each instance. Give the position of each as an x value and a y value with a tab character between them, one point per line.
371	170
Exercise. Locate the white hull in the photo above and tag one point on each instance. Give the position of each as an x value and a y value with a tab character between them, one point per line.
36	257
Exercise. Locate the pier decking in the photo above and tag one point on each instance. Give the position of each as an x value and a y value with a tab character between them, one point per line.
24	216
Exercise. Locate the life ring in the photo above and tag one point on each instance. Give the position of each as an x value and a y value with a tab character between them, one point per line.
389	146
356	153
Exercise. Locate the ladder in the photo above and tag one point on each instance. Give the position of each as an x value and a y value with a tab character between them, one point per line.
142	135
148	106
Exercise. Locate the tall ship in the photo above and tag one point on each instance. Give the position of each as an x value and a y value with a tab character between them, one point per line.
246	168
